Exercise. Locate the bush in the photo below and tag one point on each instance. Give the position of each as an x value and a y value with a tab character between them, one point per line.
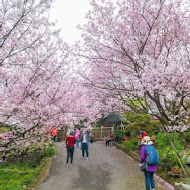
31	157
187	136
35	161
19	176
130	145
142	121
165	150
50	151
119	135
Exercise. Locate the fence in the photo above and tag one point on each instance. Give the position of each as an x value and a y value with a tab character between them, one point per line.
101	134
61	135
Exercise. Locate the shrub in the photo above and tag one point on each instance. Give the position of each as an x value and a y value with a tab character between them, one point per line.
187	136
50	151
165	150
119	135
142	121
19	176
130	145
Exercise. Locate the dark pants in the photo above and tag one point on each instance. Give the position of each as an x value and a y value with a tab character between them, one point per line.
149	179
54	138
108	142
70	152
84	148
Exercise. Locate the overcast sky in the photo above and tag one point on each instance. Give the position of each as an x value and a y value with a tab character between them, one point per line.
69	13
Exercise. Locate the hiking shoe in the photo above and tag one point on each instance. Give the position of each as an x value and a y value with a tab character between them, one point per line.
87	158
72	165
67	165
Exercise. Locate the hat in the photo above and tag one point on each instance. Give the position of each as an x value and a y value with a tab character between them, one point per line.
146	141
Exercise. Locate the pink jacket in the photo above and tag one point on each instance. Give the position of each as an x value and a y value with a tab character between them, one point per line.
77	134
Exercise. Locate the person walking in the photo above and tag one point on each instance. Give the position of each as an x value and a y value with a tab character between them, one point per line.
54	132
77	136
70	143
148	150
85	143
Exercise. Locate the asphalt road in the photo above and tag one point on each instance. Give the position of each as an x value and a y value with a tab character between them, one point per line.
106	169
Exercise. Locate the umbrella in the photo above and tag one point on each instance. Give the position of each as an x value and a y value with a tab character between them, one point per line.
114	119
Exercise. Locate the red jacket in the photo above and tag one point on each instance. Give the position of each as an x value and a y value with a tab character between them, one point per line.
111	137
70	141
54	131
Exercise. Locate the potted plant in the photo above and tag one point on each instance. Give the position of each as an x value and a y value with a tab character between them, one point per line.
127	135
175	169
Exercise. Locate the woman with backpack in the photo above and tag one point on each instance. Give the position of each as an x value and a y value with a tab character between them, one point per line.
150	156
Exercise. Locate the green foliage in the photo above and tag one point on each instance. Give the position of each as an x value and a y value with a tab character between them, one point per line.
156	126
165	151
141	121
18	177
130	145
136	104
4	129
187	136
50	151
34	162
119	135
127	133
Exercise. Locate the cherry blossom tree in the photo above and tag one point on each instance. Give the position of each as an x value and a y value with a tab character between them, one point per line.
139	50
37	84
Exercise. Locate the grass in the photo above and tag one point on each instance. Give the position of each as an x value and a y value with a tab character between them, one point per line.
22	176
18	177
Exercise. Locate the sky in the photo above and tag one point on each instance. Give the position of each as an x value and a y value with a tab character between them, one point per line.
69	13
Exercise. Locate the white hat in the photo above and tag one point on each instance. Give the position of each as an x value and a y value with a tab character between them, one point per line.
146	141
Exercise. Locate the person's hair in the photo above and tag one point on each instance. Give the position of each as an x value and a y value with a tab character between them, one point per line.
71	133
78	128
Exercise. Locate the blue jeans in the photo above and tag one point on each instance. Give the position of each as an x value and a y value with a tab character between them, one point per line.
70	152
84	148
77	143
149	179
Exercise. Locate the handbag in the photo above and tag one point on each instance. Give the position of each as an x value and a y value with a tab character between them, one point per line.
144	166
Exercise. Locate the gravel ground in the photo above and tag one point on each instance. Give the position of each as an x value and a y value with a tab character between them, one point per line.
106	169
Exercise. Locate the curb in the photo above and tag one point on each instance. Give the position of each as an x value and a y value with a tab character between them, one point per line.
42	175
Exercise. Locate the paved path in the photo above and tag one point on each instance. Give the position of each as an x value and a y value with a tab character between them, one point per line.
106	169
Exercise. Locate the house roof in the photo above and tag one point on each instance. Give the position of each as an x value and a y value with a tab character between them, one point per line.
114	118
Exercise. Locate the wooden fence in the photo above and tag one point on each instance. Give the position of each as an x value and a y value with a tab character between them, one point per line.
101	134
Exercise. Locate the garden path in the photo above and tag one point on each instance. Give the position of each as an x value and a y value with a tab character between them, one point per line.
106	169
